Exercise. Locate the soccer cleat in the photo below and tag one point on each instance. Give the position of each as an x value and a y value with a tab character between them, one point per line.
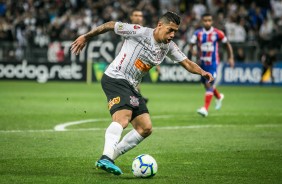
108	166
218	102
203	112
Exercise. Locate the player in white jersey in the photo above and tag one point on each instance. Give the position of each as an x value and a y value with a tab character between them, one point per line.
143	48
136	17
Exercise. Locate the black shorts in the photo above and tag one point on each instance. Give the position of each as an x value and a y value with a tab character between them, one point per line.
121	95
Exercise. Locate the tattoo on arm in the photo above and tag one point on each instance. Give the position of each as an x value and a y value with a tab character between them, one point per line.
108	26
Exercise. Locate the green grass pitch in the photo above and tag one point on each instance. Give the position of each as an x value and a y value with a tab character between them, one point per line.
241	143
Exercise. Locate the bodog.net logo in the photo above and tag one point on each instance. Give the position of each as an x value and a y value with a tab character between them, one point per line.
113	101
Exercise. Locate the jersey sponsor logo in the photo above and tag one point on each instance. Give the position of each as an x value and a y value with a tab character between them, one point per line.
127	32
207	47
134	101
142	66
114	101
121	61
41	72
136	27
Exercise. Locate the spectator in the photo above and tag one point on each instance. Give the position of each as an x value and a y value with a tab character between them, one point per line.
199	9
266	32
235	32
240	55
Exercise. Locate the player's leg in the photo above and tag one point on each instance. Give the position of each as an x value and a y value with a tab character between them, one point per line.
208	98
120	120
117	92
219	98
208	95
142	128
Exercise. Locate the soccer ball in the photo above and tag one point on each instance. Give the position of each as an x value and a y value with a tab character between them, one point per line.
144	166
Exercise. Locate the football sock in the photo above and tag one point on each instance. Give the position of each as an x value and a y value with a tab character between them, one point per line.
129	141
112	137
208	98
216	93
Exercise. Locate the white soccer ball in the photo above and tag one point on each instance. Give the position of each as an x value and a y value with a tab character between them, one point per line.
144	166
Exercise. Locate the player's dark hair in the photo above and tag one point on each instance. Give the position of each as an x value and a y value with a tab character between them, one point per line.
135	10
206	15
170	17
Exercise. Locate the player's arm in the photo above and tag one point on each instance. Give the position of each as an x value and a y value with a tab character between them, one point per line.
80	42
194	68
230	54
178	57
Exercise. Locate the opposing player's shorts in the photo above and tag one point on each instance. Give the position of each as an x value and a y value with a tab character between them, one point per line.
121	95
204	80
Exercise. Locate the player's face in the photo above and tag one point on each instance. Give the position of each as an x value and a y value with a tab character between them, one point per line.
207	22
137	17
167	31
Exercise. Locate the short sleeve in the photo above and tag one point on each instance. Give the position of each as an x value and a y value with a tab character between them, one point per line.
175	53
128	30
221	36
193	39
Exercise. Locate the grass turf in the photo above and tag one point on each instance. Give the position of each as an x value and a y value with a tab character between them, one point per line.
241	143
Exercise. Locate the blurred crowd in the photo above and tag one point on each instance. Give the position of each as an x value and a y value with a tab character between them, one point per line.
40	22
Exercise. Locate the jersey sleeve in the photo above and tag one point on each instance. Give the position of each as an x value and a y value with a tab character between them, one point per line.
128	30
221	36
175	53
193	39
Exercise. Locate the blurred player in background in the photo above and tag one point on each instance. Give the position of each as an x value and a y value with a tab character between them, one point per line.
142	49
136	17
207	39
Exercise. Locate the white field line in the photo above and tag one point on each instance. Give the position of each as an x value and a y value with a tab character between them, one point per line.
63	126
154	128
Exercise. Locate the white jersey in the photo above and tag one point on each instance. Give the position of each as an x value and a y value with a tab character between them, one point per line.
139	53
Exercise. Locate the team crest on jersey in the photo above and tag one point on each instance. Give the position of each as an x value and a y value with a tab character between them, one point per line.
134	101
213	37
159	55
113	101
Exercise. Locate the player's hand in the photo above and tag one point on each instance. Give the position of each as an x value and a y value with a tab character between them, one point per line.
231	62
208	76
78	44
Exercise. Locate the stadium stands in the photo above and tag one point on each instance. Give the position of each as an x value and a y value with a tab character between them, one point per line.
27	28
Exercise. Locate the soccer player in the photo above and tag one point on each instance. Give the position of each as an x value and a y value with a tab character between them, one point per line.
207	39
143	48
136	17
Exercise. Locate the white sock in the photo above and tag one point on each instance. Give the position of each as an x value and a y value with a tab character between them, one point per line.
129	141
112	137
